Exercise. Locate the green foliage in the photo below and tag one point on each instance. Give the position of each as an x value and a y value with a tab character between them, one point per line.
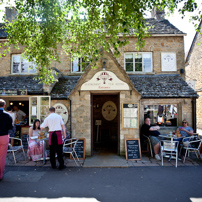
80	28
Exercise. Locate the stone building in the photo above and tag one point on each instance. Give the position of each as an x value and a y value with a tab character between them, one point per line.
193	67
108	104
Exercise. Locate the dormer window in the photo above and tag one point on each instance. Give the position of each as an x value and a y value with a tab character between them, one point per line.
138	62
22	66
79	65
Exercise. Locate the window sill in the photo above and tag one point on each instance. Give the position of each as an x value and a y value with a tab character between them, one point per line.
34	74
76	73
134	73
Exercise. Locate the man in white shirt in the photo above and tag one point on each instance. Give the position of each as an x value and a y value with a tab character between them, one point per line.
20	114
55	124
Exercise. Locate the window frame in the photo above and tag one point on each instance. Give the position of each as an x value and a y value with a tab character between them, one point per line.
80	61
20	72
134	62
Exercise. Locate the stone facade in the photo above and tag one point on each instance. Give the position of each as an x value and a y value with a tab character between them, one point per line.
194	73
68	89
156	45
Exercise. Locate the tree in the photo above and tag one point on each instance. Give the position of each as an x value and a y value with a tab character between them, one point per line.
81	27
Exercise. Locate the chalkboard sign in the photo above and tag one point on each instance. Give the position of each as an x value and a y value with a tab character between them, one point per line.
80	148
133	150
24	141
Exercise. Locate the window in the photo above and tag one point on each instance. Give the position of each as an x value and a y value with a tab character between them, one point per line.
79	65
138	62
22	66
162	115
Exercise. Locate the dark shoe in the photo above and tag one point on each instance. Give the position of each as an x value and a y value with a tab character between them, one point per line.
62	167
53	167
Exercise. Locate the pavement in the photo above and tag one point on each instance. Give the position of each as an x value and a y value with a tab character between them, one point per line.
132	184
108	160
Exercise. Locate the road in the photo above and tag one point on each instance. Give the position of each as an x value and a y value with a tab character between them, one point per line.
135	184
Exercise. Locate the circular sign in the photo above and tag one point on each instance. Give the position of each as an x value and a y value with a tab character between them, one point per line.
61	110
109	110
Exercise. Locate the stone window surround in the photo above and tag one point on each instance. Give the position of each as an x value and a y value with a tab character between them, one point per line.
138	72
20	73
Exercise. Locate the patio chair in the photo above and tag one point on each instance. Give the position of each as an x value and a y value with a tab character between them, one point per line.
191	144
169	147
69	146
147	140
14	149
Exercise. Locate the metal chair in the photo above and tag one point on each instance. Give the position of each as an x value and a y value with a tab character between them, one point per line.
69	146
191	145
14	149
169	147
149	143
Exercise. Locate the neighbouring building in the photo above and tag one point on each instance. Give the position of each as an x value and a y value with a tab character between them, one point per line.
108	104
193	67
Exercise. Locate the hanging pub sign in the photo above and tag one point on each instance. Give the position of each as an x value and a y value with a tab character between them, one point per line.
105	80
62	111
7	92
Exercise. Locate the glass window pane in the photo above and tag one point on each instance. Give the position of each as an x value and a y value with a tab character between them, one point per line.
147	67
16	63
138	57
129	67
138	67
75	65
147	57
24	66
32	67
163	115
33	109
45	101
128	57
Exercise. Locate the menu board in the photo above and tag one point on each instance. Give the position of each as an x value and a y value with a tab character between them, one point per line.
24	141
132	149
130	115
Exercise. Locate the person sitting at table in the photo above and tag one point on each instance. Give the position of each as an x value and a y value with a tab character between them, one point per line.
35	147
185	129
153	133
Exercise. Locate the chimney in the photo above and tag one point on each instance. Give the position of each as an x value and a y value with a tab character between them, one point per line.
158	13
11	13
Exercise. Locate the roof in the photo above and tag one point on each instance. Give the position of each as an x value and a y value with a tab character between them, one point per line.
158	27
162	86
162	27
64	86
21	82
193	42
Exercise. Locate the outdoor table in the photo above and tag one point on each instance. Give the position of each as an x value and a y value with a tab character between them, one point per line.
173	137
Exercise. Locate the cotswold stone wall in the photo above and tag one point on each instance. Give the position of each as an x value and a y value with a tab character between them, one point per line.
156	45
194	73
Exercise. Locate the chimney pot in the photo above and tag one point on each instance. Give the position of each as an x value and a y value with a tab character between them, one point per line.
158	13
